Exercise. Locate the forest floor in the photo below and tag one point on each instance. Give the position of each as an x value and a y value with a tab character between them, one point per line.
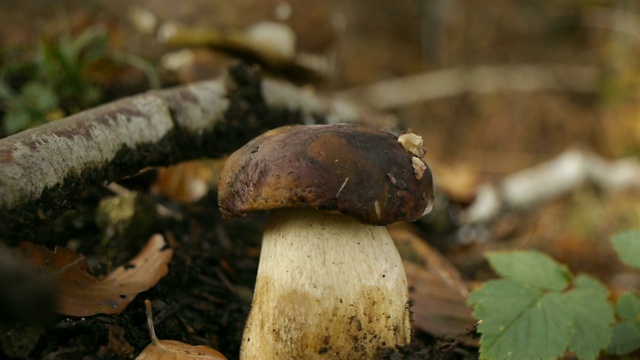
473	137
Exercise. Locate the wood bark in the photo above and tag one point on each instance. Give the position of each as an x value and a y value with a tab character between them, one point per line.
43	170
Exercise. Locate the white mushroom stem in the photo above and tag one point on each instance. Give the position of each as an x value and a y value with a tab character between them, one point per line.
328	287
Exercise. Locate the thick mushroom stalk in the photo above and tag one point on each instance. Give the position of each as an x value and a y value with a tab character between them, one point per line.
328	287
330	283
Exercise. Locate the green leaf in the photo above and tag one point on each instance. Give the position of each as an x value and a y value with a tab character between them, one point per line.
92	43
626	334
39	96
531	268
628	307
501	301
593	317
520	321
627	245
10	98
16	121
626	338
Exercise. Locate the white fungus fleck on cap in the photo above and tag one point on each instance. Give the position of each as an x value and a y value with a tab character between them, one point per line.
412	143
419	167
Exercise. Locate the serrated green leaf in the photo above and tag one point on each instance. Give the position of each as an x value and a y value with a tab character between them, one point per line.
593	316
626	334
531	268
501	301
627	245
628	307
626	338
520	321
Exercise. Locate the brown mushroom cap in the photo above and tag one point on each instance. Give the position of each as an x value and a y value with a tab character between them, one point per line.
351	169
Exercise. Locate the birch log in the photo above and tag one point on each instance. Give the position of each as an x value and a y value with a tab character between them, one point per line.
43	170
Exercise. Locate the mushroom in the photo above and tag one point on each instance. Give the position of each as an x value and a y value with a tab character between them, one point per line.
330	282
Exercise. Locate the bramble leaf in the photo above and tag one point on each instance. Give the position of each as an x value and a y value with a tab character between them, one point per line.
538	310
532	268
593	317
627	245
626	338
628	307
626	333
521	321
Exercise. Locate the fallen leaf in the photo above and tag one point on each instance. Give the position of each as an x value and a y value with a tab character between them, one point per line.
81	294
459	181
171	349
188	181
436	289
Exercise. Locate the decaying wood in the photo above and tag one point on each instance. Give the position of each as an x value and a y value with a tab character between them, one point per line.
545	181
480	79
42	170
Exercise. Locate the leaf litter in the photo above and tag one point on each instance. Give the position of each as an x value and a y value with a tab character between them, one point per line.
436	289
171	349
79	293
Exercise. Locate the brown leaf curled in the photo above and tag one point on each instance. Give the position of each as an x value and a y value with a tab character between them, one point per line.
79	293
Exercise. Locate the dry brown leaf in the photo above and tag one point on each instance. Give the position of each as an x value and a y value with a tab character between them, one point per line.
459	181
81	294
188	181
174	350
437	291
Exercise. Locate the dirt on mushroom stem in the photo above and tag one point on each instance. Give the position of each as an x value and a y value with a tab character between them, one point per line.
327	287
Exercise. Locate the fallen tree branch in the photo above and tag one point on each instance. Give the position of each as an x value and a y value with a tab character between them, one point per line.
43	170
614	19
479	79
561	175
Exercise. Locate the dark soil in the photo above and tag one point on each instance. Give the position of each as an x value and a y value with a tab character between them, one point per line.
204	299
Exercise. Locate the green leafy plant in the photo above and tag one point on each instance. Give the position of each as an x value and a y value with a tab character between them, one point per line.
626	333
538	309
627	245
57	81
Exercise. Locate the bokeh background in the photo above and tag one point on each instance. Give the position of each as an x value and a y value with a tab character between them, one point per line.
494	87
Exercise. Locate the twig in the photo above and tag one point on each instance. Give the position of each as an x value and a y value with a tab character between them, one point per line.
551	179
612	19
481	79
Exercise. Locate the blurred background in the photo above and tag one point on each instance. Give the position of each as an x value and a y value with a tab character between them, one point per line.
496	88
493	86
